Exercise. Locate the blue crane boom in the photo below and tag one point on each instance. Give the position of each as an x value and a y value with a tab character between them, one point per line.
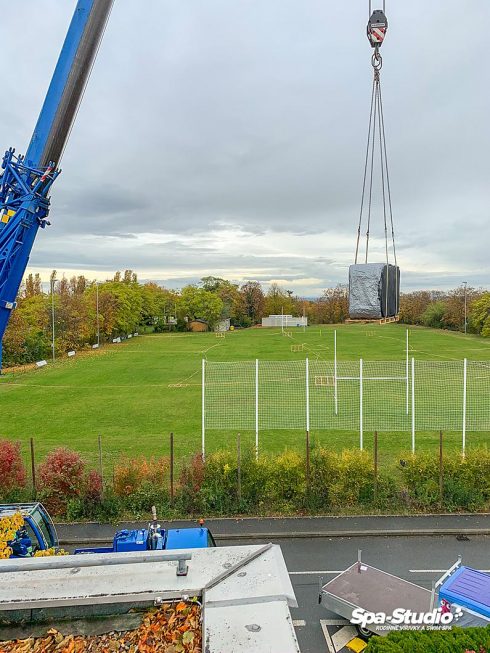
26	181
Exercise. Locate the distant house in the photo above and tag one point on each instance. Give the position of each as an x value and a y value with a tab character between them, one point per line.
198	325
284	321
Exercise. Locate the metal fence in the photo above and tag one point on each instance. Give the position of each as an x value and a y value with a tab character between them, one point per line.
349	395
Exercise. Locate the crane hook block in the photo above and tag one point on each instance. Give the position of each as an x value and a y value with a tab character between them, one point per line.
377	28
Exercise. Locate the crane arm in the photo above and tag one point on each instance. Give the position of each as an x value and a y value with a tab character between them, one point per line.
26	182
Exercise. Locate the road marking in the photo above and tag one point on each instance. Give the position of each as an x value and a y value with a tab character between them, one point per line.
328	639
440	571
336	622
314	573
299	623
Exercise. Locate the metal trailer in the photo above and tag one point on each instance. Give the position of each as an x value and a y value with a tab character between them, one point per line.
462	590
371	589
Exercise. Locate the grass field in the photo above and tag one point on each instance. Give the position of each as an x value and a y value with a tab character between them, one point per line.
135	393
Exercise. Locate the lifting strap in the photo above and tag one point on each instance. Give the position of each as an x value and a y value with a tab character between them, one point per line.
377	141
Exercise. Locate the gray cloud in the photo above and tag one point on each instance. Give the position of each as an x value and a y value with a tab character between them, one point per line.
250	117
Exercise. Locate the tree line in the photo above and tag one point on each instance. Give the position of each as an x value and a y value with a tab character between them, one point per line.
82	312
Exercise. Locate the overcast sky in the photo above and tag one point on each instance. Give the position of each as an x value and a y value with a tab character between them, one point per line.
227	137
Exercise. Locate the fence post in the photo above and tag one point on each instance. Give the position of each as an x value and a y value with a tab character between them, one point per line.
361	425
307	386
375	467
203	425
335	371
101	469
307	368
441	469
171	469
413	405
239	471
256	408
33	468
465	379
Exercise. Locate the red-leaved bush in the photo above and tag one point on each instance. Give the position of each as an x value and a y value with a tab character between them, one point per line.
12	470
93	488
61	478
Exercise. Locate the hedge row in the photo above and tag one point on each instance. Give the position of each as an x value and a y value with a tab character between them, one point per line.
335	483
469	640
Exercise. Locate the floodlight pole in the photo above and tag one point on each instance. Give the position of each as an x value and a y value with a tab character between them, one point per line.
361	425
413	405
335	371
203	426
307	371
257	408
53	279
465	381
407	374
97	311
465	284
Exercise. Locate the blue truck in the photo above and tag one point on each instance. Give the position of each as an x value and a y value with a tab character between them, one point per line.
38	533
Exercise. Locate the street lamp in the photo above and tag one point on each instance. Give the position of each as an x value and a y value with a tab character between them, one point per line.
465	284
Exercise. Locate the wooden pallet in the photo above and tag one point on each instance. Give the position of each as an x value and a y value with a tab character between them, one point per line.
383	320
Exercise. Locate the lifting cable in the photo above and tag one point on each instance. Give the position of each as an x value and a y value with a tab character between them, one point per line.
376	31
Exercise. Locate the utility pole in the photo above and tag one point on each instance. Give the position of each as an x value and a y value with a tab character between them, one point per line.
465	284
53	279
97	311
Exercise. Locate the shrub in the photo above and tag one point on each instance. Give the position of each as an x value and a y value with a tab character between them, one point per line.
457	640
130	474
140	484
466	484
93	490
191	479
285	487
12	470
219	484
61	478
323	469
346	480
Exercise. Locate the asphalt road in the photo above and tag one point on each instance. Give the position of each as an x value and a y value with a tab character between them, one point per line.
417	559
312	557
301	527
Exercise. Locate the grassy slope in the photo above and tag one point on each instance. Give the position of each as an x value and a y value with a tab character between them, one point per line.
127	392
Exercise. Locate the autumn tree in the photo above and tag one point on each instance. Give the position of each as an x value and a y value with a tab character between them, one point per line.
413	305
455	306
479	314
32	286
197	303
254	300
279	301
333	306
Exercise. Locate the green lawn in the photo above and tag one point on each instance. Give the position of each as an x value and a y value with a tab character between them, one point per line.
135	393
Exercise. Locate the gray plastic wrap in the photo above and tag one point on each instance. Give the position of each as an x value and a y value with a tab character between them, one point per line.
374	291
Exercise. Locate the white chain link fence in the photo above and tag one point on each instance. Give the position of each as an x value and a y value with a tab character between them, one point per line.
348	395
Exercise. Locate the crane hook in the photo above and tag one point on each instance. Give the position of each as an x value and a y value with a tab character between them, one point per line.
376	28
